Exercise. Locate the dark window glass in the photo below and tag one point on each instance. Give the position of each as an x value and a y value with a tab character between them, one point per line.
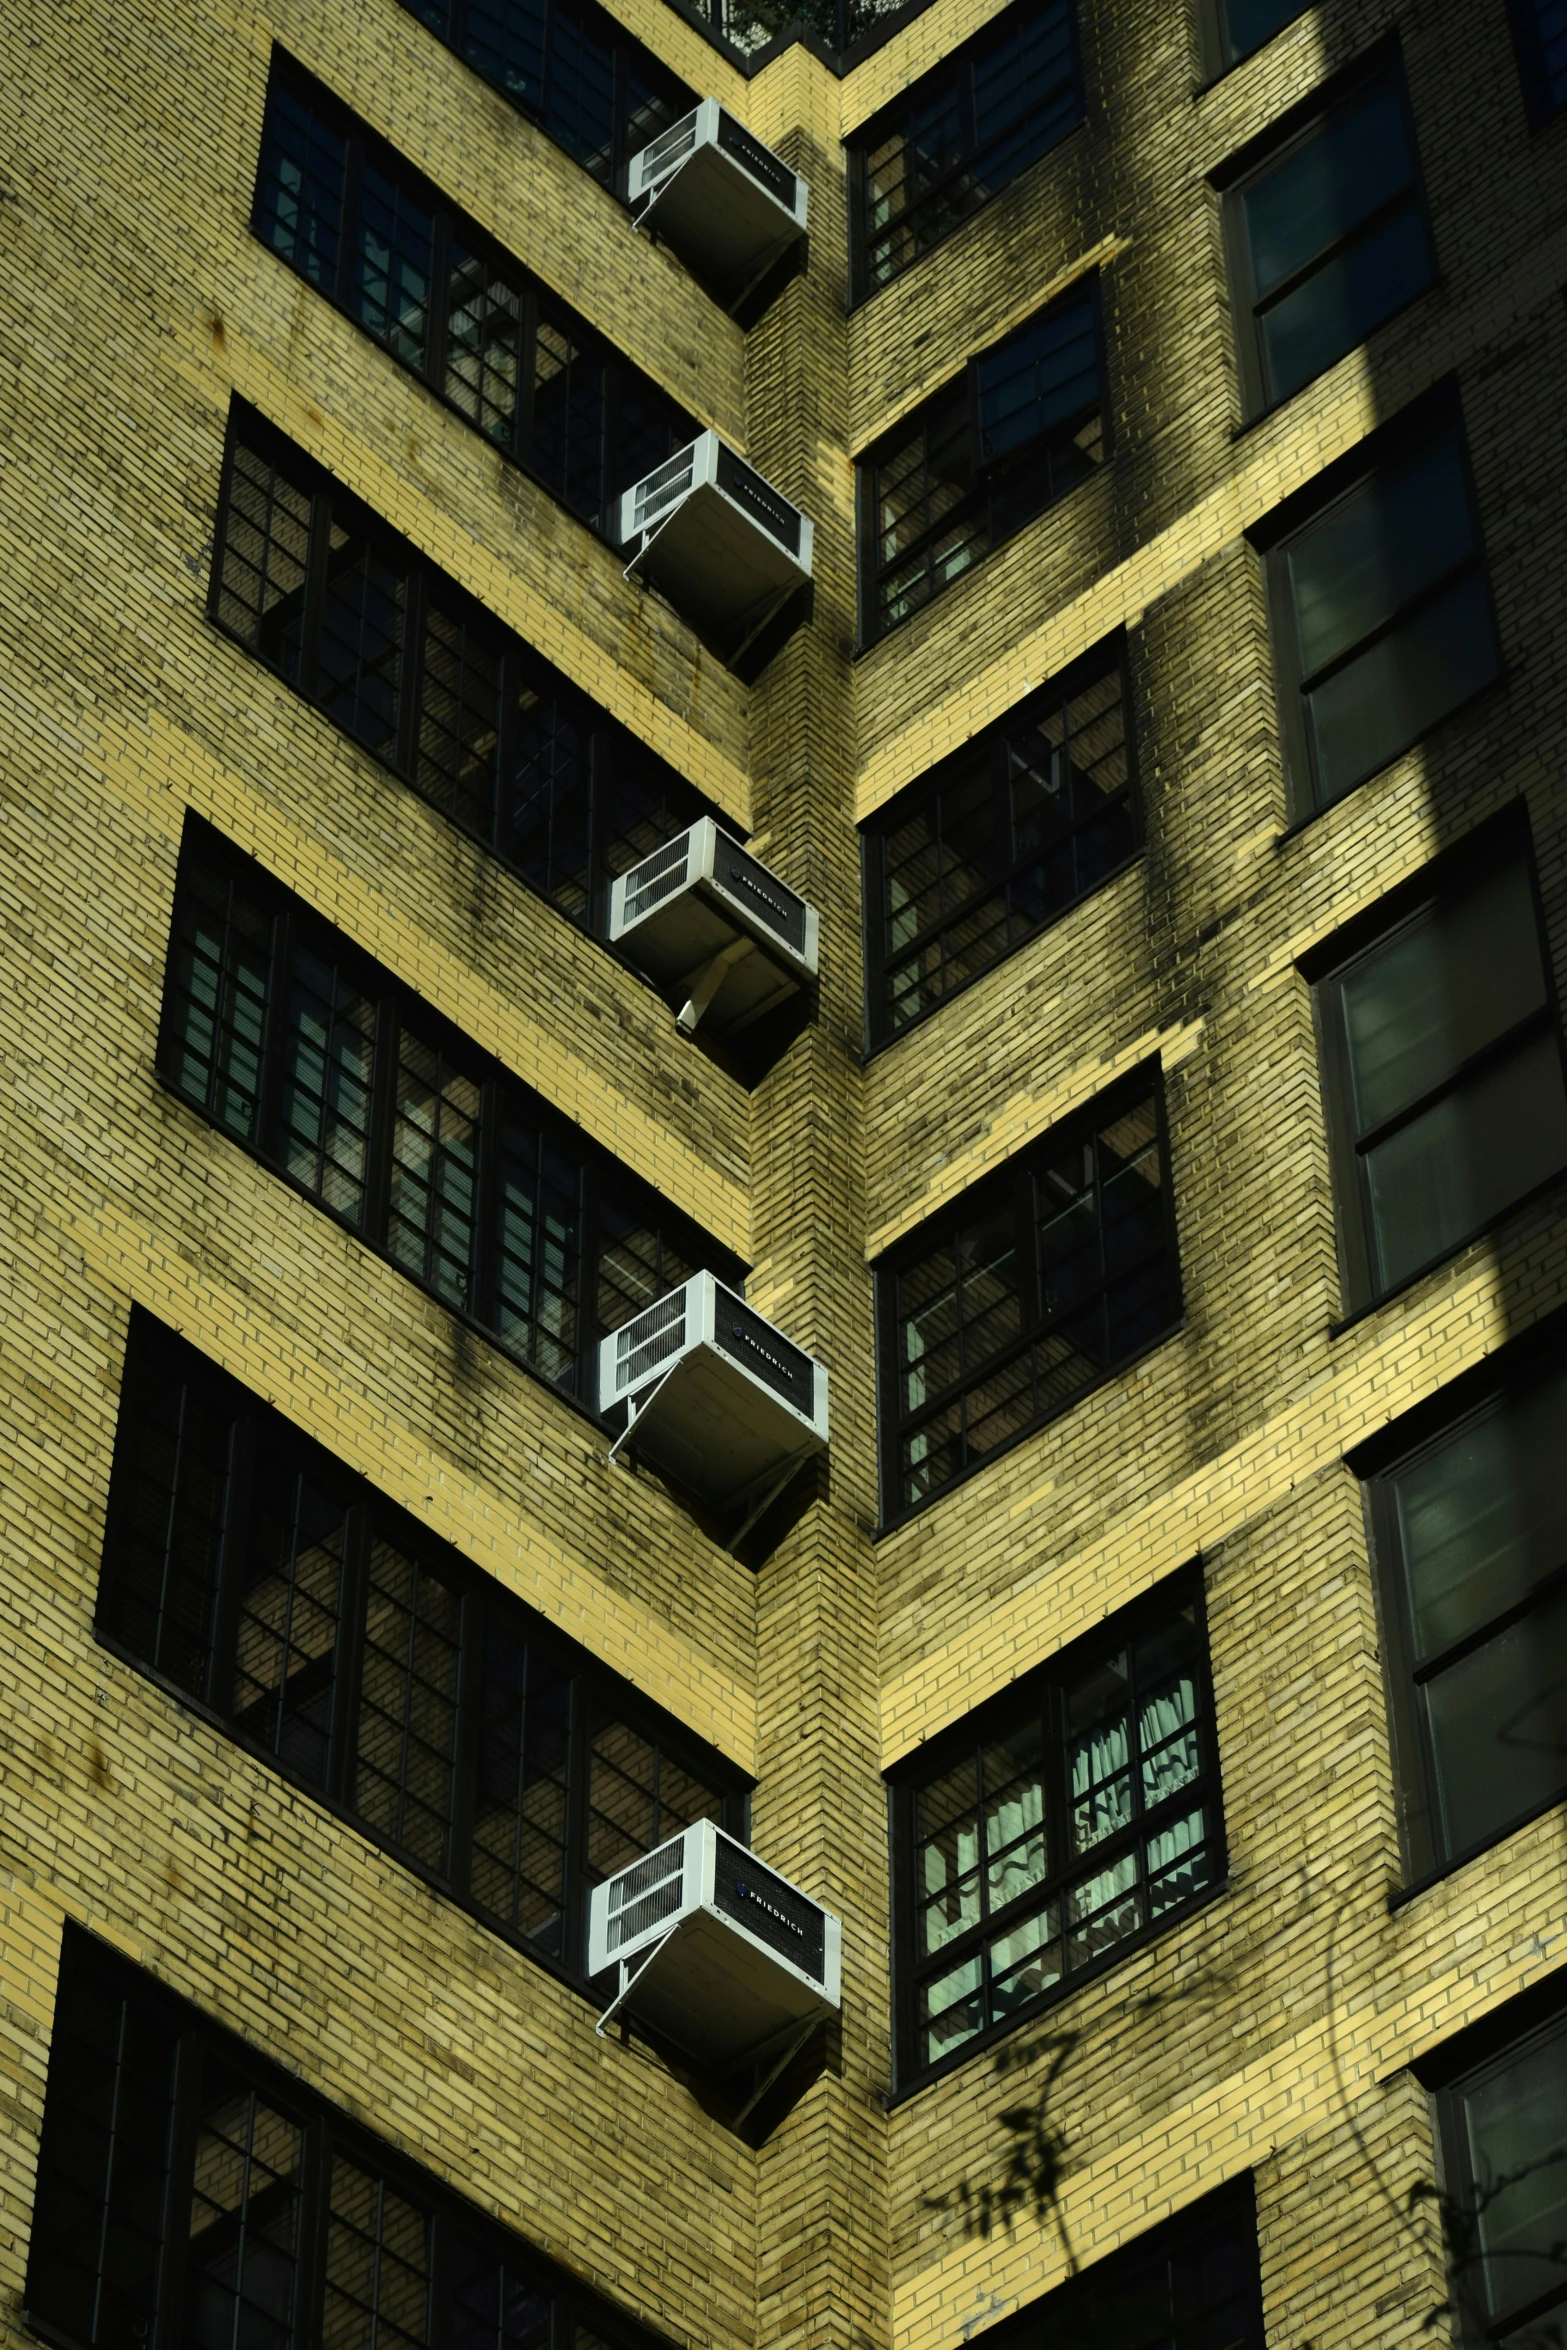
1471	1536
190	2193
969	863
1504	2142
1444	1071
1002	1311
480	726
956	138
363	1099
407	1692
1057	1828
1540	27
1382	617
1018	429
1328	239
1239	26
588	84
1192	2284
526	371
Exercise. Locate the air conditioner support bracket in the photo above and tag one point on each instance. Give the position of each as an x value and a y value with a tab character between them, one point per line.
707	982
630	1976
765	1498
779	2065
636	1405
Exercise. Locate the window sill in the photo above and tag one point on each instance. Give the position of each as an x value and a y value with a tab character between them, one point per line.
1387	1297
1402	1895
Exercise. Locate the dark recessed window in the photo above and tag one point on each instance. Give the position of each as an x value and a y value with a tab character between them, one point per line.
1021	426
1041	1838
1382	619
190	2192
315	1060
1442	1066
1003	1310
975	859
1234	28
581	77
1192	2284
349	214
956	138
1540	28
1470	1532
421	676
1503	2126
370	1664
1327	239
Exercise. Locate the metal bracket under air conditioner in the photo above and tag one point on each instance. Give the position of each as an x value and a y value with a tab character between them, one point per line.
707	982
637	1404
630	1976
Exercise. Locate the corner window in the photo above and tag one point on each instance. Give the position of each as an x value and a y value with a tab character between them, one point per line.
1042	1838
1192	2284
974	860
1021	426
1540	30
1443	1072
1382	621
959	136
1232	29
1327	239
1469	1529
1006	1308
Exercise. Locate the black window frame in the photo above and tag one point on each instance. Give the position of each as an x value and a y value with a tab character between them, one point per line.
608	1194
1447	881
1279	146
454	234
1014	1187
1404	442
139	2073
1220	55
1040	1694
1534	67
991	748
631	128
1098	2308
959	71
617	766
999	497
220	1425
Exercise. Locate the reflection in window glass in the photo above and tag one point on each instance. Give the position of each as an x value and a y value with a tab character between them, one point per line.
1505	2135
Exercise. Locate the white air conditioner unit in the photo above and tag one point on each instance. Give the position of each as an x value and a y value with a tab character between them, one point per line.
717	540
719	1955
728	205
713	1394
702	916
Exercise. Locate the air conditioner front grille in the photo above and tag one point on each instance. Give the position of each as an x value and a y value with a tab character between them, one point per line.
758	499
747	1339
659	158
768	1908
767	898
648	1339
645	1894
759	161
658	876
664	487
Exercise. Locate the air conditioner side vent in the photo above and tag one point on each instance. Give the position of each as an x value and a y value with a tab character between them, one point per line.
758	499
759	161
649	1339
765	1352
770	1908
755	887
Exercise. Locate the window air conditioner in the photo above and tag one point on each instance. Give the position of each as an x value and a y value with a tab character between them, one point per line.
719	1955
728	205
702	916
712	1394
717	540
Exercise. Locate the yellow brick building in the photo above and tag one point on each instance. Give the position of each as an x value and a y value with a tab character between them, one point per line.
1170	1174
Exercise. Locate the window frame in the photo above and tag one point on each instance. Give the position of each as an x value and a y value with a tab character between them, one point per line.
1213	35
1540	107
991	744
1446	881
961	393
1228	2210
1256	163
958	68
1014	1180
1038	1690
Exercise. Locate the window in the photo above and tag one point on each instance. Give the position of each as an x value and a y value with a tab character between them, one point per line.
1502	2116
190	2193
320	1065
371	1665
1381	614
1003	1310
1054	1829
422	677
977	858
568	65
1013	433
1192	2284
1327	239
1443	1069
1540	29
1234	28
947	145
1469	1528
354	219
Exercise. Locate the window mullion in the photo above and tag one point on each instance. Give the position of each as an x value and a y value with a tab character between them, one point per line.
167	2330
383	1120
1546	1588
589	1184
1472	1066
312	613
353	219
441	243
1410	609
484	1285
344	1736
575	1869
274	1035
405	756
527	374
1263	303
219	1690
465	1746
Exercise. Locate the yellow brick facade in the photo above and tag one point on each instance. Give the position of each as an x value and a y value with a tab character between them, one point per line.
1273	2030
